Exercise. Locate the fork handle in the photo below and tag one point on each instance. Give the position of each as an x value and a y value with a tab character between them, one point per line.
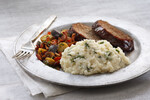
44	27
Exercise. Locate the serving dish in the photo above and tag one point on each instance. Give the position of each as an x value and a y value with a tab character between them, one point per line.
139	57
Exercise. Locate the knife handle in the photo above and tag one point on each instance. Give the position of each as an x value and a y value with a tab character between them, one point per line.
44	27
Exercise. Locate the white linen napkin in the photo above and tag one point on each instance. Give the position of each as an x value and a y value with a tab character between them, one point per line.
34	84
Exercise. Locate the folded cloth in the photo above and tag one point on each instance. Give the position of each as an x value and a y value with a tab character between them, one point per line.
34	84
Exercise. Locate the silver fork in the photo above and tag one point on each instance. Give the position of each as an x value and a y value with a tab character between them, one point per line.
27	49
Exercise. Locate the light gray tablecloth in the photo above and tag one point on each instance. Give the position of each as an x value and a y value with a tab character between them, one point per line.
16	15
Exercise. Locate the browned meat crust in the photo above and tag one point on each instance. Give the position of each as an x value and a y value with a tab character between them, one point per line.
83	32
115	36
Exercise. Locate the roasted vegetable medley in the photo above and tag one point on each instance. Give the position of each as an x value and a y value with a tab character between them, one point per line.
51	46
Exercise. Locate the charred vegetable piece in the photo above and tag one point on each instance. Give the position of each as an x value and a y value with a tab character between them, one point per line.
54	41
64	37
41	51
49	33
64	30
73	36
43	57
49	61
57	54
49	54
60	40
55	34
42	45
69	39
44	37
62	46
38	43
53	48
38	56
57	67
57	58
57	61
46	47
57	64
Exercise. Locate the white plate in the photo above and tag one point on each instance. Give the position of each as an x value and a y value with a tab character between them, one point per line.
139	58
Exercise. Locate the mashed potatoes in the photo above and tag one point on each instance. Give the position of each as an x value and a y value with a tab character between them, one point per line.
90	57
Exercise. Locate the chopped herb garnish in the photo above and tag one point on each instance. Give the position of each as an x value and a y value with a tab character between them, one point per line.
87	45
79	56
117	50
108	58
72	60
95	52
101	42
49	42
99	57
108	55
88	68
69	55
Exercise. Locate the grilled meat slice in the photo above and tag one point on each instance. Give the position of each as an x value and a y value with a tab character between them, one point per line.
115	36
83	31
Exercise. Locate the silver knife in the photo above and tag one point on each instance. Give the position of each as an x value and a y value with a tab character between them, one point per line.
43	27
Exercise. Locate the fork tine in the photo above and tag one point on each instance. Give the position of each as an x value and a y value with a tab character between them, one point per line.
28	54
17	54
25	54
22	54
